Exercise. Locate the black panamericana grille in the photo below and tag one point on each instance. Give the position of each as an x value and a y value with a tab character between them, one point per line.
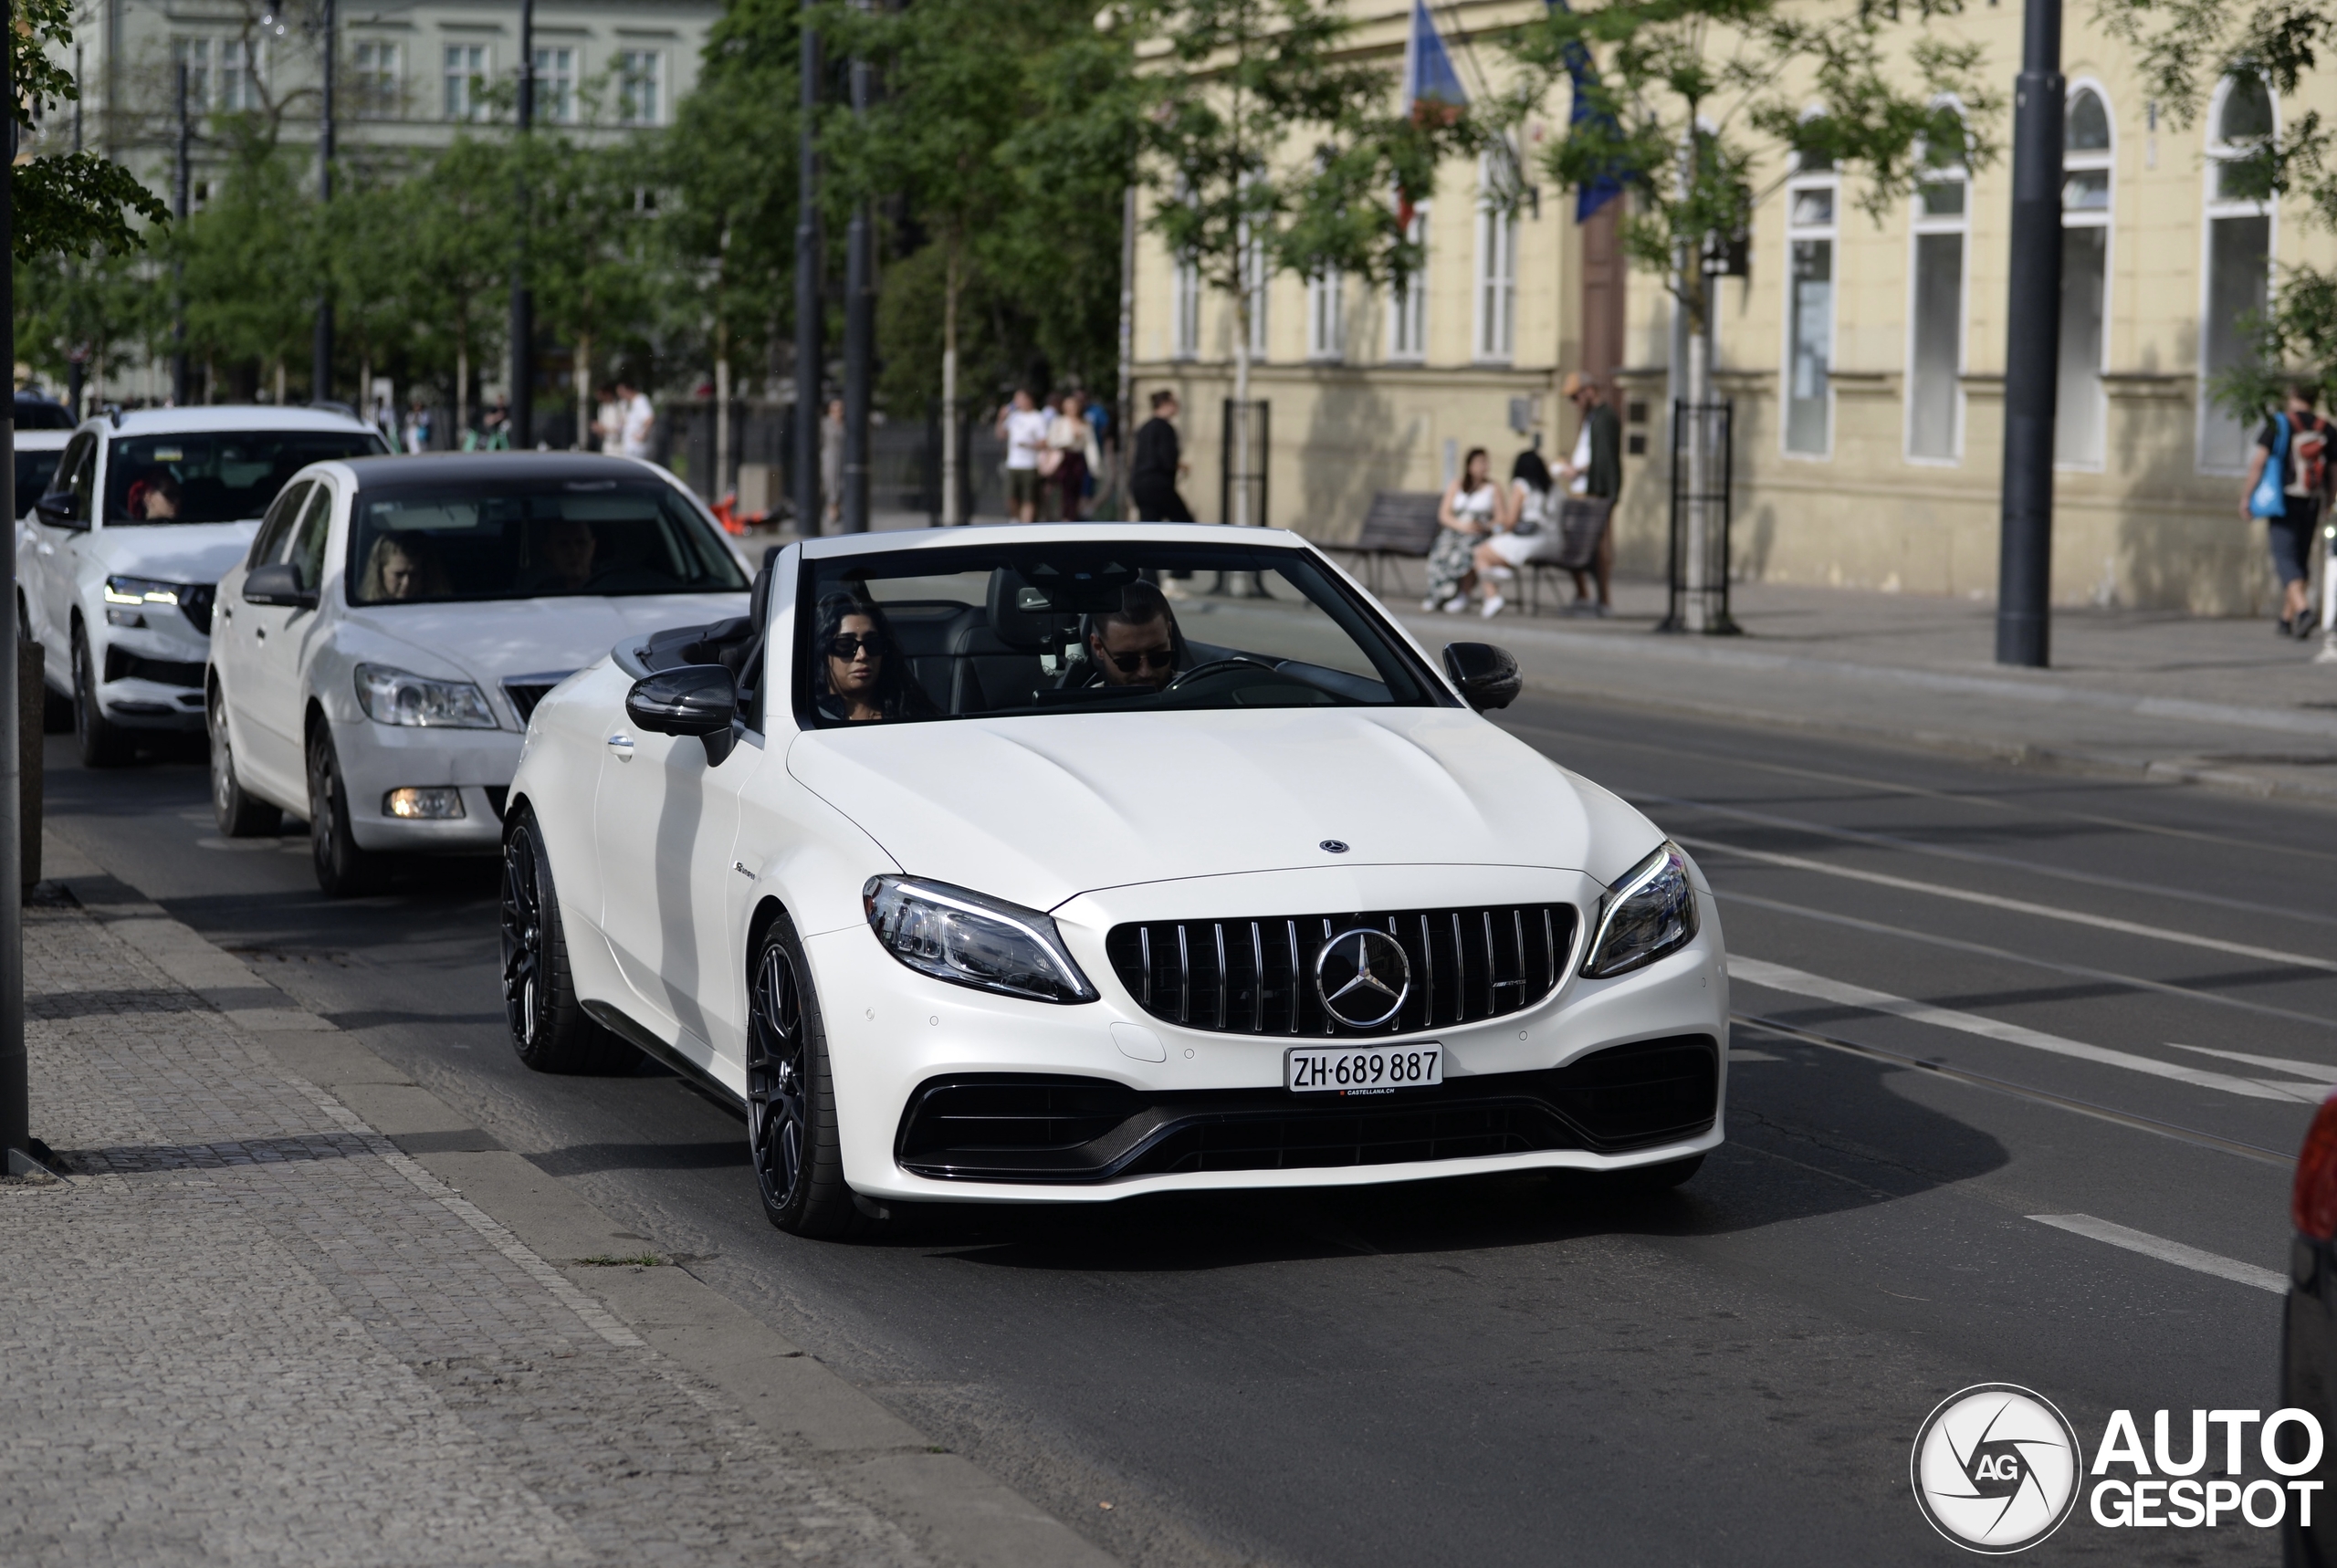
1257	977
1032	1128
526	694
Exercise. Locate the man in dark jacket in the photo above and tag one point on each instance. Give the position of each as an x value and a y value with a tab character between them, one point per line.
1155	467
1595	473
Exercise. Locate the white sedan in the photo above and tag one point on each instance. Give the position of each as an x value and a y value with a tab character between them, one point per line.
978	868
379	650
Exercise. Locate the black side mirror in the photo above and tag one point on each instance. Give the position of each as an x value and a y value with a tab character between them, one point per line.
696	699
278	582
56	510
1486	676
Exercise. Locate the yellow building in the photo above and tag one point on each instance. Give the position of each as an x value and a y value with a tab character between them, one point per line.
1864	361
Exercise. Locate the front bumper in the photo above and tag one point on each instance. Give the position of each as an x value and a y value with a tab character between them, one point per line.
149	676
1212	1114
376	758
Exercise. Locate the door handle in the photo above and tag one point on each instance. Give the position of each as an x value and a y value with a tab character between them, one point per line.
621	744
260	632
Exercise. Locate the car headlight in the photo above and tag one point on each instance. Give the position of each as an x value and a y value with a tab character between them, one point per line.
1651	912
394	697
143	591
968	940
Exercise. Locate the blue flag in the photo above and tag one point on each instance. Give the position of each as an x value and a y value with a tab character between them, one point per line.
1583	71
1428	76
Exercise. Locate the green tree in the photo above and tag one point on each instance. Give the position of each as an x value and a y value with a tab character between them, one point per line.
1229	91
71	203
594	254
257	228
2187	46
455	261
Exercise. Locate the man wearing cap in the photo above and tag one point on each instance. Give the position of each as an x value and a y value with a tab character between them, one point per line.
1593	477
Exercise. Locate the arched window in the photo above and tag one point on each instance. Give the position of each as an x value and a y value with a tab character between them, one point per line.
1936	318
2238	259
2088	150
1810	197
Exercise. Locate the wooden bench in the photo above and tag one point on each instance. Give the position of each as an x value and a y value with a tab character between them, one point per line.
1401	525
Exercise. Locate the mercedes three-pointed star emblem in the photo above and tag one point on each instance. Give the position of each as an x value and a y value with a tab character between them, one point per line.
1363	977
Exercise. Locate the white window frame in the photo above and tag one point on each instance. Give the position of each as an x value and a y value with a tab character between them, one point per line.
2216	206
1919	224
1408	302
193	51
632	77
380	80
1327	317
1494	288
462	105
1186	315
1830	182
238	70
557	106
2102	160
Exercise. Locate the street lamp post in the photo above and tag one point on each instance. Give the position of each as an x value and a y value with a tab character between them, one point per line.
2032	346
179	196
523	301
859	338
320	377
16	1071
808	352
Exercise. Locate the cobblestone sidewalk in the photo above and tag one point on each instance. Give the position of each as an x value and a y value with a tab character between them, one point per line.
248	1329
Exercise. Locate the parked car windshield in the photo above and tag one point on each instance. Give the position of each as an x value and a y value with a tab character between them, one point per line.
1044	629
216	475
35	469
531	539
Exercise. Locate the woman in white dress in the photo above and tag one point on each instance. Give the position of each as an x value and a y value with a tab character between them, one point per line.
1473	508
1533	531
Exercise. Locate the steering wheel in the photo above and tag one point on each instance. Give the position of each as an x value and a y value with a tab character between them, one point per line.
1214	665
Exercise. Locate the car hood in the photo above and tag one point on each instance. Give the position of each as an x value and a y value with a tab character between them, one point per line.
171	552
494	640
1040	809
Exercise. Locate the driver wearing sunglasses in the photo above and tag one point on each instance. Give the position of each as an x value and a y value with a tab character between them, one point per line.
1137	644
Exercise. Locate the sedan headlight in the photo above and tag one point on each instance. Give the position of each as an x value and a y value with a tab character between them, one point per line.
143	591
968	940
394	697
1651	912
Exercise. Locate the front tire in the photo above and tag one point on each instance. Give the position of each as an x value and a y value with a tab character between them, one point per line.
343	870
240	815
550	1028
791	1098
103	744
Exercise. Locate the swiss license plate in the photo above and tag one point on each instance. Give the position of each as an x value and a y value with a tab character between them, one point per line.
1362	1069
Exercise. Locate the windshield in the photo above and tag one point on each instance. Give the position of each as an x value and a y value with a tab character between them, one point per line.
215	476
35	469
1038	629
531	539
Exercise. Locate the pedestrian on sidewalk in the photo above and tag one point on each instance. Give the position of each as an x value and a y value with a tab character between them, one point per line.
1532	534
1022	425
1594	480
2287	480
636	418
608	420
417	425
1073	439
1473	508
831	468
1156	465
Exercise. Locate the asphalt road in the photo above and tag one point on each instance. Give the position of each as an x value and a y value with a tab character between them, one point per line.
1523	1371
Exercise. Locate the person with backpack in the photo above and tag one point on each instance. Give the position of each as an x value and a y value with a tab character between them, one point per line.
2287	483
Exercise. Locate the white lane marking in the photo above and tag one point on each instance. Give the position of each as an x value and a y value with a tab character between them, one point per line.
1801	983
2167	1251
2319	1072
2018	905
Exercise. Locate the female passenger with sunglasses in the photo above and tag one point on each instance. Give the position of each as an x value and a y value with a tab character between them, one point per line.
860	677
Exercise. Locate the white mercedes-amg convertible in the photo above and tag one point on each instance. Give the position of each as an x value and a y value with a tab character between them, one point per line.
1027	864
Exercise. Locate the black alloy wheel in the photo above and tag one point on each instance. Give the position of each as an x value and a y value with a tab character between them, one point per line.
238	814
791	1100
343	869
550	1028
103	743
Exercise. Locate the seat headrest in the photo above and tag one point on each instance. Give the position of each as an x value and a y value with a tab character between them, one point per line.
1019	616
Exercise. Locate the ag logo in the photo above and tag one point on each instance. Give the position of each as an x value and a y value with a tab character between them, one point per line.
1363	977
1996	1467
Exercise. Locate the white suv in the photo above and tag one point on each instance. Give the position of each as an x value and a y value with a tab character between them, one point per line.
117	562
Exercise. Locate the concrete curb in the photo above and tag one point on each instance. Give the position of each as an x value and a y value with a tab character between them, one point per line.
954	1512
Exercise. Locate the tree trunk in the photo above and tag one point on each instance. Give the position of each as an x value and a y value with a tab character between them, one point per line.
1237	429
583	380
722	484
461	392
950	484
365	387
279	383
